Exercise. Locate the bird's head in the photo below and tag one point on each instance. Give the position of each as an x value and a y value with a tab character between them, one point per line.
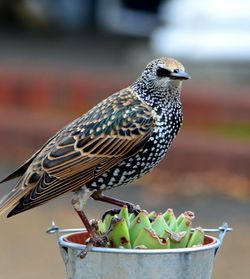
165	72
163	77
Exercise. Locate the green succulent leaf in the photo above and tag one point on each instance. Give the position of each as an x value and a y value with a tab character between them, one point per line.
147	237
184	226
101	227
185	222
140	247
131	217
197	238
159	225
172	223
180	219
177	239
125	215
107	221
168	215
152	215
119	234
174	236
140	222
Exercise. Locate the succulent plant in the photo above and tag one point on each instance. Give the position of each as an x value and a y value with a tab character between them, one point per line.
149	230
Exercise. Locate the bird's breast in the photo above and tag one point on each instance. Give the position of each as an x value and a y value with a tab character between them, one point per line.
140	163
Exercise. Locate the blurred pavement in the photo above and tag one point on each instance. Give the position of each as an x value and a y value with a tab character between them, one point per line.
28	252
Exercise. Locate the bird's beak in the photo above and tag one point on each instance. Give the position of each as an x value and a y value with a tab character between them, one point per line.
180	75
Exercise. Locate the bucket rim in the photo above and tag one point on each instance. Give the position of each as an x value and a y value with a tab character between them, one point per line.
67	244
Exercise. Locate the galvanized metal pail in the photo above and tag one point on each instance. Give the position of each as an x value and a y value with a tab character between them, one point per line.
111	263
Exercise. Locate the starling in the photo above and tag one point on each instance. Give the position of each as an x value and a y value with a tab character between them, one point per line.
119	140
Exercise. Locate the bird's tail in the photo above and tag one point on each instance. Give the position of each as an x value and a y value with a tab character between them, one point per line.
12	198
7	202
18	172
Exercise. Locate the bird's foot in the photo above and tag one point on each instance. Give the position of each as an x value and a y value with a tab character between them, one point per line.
85	251
132	208
97	241
112	212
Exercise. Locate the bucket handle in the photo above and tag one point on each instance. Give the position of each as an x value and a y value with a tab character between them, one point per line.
222	230
54	229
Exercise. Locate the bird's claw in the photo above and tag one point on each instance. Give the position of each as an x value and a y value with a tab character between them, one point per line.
132	208
112	212
97	241
85	251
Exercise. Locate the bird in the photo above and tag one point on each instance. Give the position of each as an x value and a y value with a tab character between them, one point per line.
117	141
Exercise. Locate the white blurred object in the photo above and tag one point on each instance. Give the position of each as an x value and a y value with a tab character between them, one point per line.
204	30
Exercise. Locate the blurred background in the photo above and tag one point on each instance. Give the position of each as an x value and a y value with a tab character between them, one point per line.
59	58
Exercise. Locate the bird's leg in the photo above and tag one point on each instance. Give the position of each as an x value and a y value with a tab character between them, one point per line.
132	208
78	201
98	241
86	223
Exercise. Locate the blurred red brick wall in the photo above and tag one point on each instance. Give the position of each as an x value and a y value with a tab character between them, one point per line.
34	104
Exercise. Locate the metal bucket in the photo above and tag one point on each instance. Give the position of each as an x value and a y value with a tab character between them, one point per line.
111	263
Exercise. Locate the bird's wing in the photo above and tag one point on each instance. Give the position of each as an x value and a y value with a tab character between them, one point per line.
113	130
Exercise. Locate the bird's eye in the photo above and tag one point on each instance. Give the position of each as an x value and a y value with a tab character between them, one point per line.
176	71
162	72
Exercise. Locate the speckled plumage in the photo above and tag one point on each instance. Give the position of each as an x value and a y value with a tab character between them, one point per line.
117	141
